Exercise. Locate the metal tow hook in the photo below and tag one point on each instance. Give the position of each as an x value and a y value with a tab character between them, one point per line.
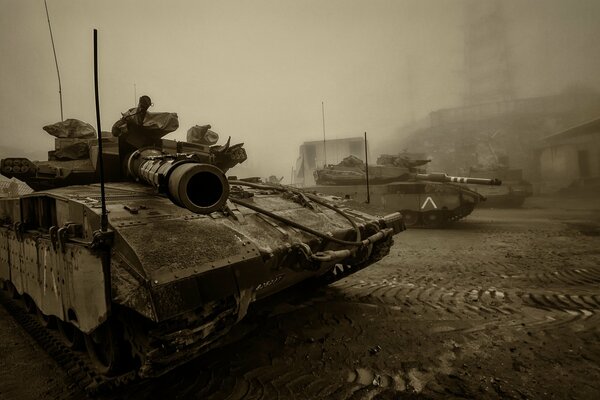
53	231
331	255
378	236
62	237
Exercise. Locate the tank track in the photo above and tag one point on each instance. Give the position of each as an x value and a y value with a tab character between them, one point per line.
76	364
461	212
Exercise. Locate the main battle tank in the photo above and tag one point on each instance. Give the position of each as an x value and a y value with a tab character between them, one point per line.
399	183
512	193
180	253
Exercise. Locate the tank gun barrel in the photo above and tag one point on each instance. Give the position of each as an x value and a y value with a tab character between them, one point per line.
199	187
441	177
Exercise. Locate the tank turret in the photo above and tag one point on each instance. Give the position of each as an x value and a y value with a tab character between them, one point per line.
190	174
388	169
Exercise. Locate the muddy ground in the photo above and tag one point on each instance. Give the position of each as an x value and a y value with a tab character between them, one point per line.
505	304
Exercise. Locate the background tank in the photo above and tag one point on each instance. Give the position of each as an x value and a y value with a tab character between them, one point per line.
512	193
185	252
399	183
492	159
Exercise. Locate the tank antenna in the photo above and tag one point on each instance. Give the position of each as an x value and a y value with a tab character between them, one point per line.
324	143
104	217
55	62
367	169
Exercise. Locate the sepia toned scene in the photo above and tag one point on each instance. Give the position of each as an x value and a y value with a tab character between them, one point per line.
300	199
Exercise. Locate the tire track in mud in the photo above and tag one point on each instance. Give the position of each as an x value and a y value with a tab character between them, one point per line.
471	303
465	308
236	373
463	302
586	304
574	276
276	379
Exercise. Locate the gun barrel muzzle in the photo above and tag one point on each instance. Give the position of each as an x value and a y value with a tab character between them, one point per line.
199	187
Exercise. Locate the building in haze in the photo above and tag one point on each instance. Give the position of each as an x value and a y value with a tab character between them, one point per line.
318	153
571	158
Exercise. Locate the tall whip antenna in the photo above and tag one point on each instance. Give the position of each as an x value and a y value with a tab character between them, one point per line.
55	62
324	143
367	169
104	216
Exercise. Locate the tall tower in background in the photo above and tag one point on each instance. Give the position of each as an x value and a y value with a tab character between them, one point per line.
487	67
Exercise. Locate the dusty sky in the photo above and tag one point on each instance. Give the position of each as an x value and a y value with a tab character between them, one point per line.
258	70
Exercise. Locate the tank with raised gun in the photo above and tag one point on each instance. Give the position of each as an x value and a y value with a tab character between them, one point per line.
400	183
492	158
514	189
184	250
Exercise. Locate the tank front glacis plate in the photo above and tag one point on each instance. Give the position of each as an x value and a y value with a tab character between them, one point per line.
179	259
188	260
167	260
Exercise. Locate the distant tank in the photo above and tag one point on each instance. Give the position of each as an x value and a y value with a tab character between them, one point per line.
493	159
181	251
512	193
399	183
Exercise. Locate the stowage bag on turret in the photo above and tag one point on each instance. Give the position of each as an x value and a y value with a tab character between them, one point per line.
71	128
164	122
202	134
159	123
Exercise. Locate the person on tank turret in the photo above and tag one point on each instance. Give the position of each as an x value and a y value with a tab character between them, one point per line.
133	118
138	127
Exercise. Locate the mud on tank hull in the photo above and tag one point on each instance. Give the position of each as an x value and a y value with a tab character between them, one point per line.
422	204
168	284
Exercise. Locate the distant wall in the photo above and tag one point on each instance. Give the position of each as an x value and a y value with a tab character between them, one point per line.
573	160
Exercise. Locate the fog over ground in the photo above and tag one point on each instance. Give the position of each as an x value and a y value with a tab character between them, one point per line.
258	70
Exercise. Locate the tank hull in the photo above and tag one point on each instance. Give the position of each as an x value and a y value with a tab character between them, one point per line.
422	204
170	283
158	263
